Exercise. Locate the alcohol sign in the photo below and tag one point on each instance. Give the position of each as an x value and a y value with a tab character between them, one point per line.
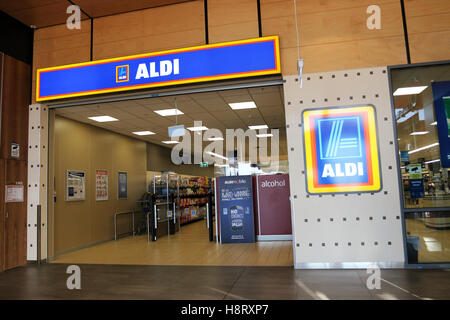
341	150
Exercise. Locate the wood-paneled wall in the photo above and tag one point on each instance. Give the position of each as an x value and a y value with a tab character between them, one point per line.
54	46
15	98
230	20
333	33
428	23
168	27
87	148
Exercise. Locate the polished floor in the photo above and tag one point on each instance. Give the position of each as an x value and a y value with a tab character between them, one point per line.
434	244
190	247
100	282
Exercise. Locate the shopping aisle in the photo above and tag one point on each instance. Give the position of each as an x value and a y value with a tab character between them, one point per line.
190	247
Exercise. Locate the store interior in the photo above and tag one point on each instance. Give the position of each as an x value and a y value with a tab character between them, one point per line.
126	170
426	184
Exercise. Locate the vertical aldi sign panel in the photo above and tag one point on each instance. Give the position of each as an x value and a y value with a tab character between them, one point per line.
237	59
341	150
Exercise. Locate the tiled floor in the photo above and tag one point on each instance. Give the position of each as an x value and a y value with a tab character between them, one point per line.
176	282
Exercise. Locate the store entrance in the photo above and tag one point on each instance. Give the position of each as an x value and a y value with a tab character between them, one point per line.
120	195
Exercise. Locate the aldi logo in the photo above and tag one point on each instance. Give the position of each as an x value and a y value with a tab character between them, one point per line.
341	150
122	73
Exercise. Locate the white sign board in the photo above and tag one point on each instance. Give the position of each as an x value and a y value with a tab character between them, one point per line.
14	193
75	186
101	185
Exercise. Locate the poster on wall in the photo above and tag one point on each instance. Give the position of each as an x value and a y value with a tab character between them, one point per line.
101	185
122	185
441	97
341	150
75	186
14	193
236	209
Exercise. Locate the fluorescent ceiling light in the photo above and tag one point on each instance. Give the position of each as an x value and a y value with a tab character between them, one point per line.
409	90
242	105
433	123
261	126
418	133
103	119
169	112
217	155
431	161
143	133
264	135
215	139
202	128
170	142
424	148
220	165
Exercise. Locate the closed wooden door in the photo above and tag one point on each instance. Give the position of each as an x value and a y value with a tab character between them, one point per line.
15	218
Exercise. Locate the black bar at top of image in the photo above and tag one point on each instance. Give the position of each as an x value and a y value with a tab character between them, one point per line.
258	4
205	5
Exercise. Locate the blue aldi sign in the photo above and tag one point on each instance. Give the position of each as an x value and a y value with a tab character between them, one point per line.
341	150
237	59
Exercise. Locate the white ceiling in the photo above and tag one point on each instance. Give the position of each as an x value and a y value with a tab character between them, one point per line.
210	107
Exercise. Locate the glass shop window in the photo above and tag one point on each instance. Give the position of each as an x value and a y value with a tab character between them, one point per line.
422	114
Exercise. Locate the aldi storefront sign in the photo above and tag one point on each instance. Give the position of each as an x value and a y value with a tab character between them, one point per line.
341	150
253	57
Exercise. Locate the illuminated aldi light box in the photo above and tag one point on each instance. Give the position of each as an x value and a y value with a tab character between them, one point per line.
341	150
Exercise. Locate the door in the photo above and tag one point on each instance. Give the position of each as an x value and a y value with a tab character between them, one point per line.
14	216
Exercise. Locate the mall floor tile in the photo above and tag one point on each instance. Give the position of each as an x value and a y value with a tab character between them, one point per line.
48	281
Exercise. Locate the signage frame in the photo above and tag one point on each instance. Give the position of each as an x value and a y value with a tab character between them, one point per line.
123	62
374	138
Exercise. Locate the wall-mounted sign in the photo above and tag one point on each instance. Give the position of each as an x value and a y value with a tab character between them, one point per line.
169	214
237	59
237	223
341	150
75	186
441	96
122	185
14	193
15	150
101	185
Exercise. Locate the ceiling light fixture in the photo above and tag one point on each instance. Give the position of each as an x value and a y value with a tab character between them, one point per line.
103	119
201	128
261	126
424	148
169	112
409	90
433	123
418	133
170	142
242	105
431	161
217	155
143	133
264	135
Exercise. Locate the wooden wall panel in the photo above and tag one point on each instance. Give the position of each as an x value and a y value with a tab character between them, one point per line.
230	20
162	28
333	34
16	224
83	147
2	215
54	46
16	99
428	24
